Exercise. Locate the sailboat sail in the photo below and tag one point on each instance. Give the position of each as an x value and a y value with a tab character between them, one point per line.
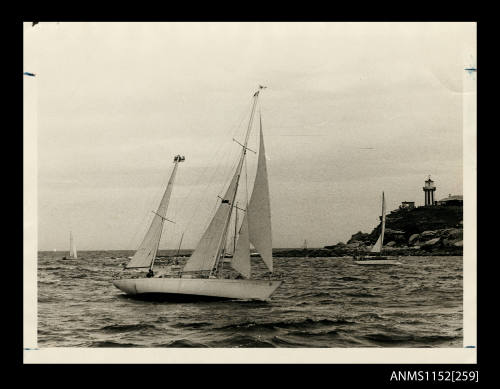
259	210
241	257
377	247
72	247
206	252
145	254
206	255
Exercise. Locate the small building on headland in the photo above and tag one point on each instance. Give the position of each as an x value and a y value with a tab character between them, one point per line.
407	205
452	200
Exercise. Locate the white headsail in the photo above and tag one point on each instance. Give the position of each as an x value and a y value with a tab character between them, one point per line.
259	210
72	247
146	253
241	256
377	247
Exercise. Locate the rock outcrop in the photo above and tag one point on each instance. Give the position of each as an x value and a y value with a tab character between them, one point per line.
436	230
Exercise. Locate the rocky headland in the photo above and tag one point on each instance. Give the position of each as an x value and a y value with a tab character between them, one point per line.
433	230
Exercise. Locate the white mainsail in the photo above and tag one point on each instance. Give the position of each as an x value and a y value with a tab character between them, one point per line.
72	247
146	253
377	247
207	250
241	256
259	210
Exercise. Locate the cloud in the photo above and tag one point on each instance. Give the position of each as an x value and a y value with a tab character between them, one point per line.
118	101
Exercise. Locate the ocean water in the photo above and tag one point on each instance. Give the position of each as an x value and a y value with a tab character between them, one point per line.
323	302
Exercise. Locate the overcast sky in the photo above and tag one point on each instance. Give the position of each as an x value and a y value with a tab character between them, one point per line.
351	109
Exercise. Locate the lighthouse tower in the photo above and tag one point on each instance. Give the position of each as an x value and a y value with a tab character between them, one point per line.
429	190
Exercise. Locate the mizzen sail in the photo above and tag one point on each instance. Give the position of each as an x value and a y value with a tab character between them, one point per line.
146	253
377	247
259	210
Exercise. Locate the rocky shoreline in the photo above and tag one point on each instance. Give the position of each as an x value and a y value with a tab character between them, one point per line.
333	251
421	231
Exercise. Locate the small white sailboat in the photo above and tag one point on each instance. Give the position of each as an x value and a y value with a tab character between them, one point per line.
72	248
374	258
202	275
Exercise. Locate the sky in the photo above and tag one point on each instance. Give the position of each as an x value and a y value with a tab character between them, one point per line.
350	110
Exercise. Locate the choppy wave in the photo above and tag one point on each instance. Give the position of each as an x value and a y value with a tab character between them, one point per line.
183	343
324	302
127	327
110	343
306	323
393	339
192	325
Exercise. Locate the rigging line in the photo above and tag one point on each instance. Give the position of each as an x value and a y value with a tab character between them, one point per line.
245	162
227	172
231	156
206	187
236	152
233	196
216	170
225	156
154	198
143	226
247	186
246	183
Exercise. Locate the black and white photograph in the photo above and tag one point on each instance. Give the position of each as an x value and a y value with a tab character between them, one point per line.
234	186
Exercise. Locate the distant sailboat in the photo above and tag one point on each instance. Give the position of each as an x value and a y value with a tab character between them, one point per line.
202	275
72	248
374	257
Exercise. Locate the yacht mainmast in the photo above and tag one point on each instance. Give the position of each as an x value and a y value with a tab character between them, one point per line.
223	239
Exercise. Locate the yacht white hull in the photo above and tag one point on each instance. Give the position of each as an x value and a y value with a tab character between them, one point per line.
206	287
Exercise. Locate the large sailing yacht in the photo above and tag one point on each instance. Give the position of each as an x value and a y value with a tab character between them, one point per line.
203	274
375	257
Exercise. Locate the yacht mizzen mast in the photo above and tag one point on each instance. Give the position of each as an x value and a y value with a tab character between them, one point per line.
145	255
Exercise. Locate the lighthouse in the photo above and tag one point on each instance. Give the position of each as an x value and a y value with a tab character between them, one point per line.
429	190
